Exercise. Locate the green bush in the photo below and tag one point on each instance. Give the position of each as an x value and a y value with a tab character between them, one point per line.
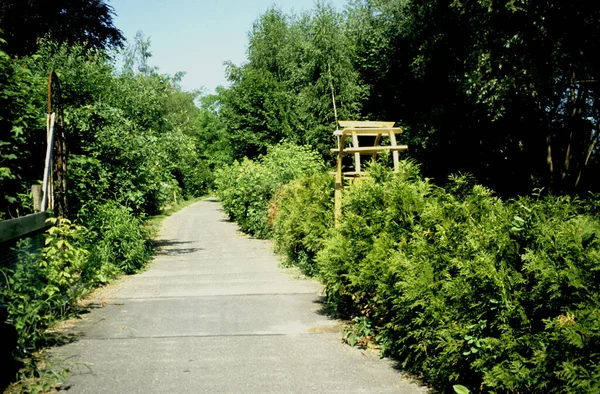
462	287
458	285
245	188
44	287
118	242
302	214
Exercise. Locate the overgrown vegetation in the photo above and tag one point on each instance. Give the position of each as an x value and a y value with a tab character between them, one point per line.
134	149
500	89
458	285
245	188
462	286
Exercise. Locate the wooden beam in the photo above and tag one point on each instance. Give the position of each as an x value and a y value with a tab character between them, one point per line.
363	123
23	226
395	155
370	131
356	155
47	183
337	210
372	149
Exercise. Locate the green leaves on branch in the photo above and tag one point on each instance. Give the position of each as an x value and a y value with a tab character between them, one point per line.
455	283
246	188
298	67
43	288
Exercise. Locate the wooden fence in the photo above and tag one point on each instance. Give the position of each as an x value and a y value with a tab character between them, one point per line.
13	230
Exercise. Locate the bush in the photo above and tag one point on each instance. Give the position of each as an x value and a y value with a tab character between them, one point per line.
44	287
458	285
462	287
118	243
246	188
302	216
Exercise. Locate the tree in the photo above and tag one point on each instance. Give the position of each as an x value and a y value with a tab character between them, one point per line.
298	75
27	22
499	88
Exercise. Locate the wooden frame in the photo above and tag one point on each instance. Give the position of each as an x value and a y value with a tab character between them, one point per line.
354	130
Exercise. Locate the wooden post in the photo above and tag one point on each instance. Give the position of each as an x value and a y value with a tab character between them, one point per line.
338	183
58	197
48	164
395	155
356	155
60	193
356	129
36	196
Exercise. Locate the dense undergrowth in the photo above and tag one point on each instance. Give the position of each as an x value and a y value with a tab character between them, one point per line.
44	287
133	150
245	188
458	285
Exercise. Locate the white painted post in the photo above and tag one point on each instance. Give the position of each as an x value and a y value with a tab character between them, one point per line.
48	165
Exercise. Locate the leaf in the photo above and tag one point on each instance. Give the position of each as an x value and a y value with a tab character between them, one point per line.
352	339
460	389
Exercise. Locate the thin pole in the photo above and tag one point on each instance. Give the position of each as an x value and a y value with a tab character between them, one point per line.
48	163
332	94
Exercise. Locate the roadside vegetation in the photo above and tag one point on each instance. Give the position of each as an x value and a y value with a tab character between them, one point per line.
475	266
134	152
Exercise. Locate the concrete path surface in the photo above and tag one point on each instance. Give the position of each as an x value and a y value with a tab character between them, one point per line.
215	313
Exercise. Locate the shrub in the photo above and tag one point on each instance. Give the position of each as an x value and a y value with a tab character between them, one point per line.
458	285
246	188
462	287
43	287
118	242
302	216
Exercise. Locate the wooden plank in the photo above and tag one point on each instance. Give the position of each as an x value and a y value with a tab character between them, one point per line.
372	131
21	227
47	183
364	123
372	149
376	143
368	132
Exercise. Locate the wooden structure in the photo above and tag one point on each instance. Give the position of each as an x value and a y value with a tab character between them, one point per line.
54	190
353	131
52	194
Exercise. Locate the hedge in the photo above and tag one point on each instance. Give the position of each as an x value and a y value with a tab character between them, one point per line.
458	285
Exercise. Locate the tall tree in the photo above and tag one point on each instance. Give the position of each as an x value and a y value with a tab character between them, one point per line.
26	22
298	75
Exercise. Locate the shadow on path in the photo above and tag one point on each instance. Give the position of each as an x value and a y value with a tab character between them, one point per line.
168	247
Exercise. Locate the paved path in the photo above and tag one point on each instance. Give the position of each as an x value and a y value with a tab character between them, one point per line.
215	313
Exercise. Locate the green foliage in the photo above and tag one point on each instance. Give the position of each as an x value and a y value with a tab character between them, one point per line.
43	288
455	283
18	118
302	213
462	287
133	135
70	21
284	91
495	88
246	188
133	148
117	241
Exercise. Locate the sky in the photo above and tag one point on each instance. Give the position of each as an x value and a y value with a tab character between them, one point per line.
198	36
